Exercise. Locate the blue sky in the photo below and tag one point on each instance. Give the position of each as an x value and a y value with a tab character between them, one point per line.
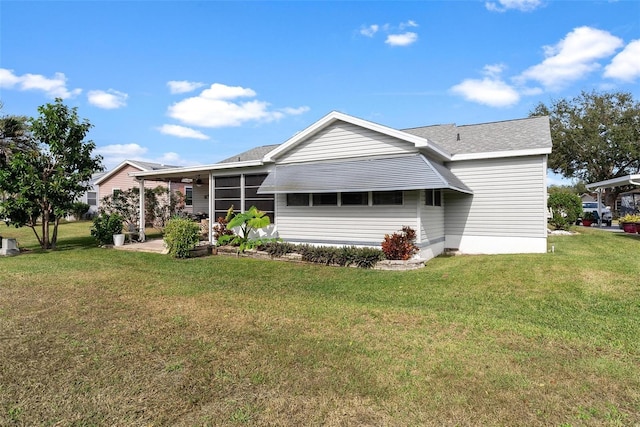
189	83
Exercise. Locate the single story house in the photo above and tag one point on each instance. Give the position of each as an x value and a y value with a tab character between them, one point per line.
347	181
119	179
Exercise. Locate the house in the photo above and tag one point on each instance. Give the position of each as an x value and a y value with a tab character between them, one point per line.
90	196
120	179
348	181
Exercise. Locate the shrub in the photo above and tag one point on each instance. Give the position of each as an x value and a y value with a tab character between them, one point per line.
181	235
220	229
400	245
248	222
565	208
78	209
105	226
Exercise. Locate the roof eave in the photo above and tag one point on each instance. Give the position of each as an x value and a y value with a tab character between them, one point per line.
499	154
192	169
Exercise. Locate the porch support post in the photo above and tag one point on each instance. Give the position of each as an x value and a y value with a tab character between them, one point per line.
599	207
212	213
141	235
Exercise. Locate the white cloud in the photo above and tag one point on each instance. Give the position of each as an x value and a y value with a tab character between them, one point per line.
521	5
183	86
625	65
395	35
115	154
404	39
410	23
182	132
572	58
370	31
216	107
174	159
55	87
109	99
491	90
295	111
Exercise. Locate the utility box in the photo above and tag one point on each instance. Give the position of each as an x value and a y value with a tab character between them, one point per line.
9	247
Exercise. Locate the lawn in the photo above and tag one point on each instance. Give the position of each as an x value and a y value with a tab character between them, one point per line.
93	336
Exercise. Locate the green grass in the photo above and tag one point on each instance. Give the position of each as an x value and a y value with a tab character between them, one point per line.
92	336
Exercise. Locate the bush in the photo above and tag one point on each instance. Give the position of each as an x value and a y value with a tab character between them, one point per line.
400	245
78	209
565	208
328	255
105	226
181	235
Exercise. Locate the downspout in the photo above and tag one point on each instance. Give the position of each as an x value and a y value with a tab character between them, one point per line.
141	225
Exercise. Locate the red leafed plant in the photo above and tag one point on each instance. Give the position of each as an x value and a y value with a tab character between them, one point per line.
400	245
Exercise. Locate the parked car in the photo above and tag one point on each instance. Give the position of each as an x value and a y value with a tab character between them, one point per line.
592	207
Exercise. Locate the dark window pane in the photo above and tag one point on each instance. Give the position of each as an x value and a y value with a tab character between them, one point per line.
227	193
252	193
298	199
360	198
188	196
225	204
91	198
254	180
387	197
437	198
428	199
227	181
325	199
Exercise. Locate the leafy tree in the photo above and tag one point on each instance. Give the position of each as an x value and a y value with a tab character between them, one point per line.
565	208
596	136
45	182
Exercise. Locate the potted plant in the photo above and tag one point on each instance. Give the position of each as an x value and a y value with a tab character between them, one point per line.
630	223
588	219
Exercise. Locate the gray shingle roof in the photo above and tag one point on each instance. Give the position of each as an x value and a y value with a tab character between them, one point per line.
511	135
256	153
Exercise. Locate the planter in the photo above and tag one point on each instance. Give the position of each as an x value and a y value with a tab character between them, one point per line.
118	239
587	222
638	227
629	227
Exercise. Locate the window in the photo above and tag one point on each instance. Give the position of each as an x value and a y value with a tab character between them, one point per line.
387	197
264	202
360	198
325	199
298	199
92	197
433	197
228	193
188	196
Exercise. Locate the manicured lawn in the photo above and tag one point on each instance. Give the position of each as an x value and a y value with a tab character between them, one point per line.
92	336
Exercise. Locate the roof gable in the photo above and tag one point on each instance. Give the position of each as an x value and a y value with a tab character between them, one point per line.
141	166
335	117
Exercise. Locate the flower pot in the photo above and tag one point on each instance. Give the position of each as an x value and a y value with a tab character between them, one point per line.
638	227
118	239
629	227
587	222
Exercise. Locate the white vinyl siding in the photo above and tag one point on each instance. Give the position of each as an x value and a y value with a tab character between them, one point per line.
431	222
509	198
344	225
200	201
344	140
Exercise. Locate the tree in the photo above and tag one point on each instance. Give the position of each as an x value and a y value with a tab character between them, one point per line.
45	182
596	136
14	137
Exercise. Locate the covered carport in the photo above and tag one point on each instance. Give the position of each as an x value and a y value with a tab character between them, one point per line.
600	186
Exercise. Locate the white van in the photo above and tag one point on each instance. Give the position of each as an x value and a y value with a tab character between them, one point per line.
593	207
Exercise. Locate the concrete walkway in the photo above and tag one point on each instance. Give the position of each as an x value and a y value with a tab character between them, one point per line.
153	245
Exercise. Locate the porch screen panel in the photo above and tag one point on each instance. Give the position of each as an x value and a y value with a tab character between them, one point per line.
263	201
228	192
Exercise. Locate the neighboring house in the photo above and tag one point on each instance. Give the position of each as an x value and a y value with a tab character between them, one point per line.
120	179
90	197
347	181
